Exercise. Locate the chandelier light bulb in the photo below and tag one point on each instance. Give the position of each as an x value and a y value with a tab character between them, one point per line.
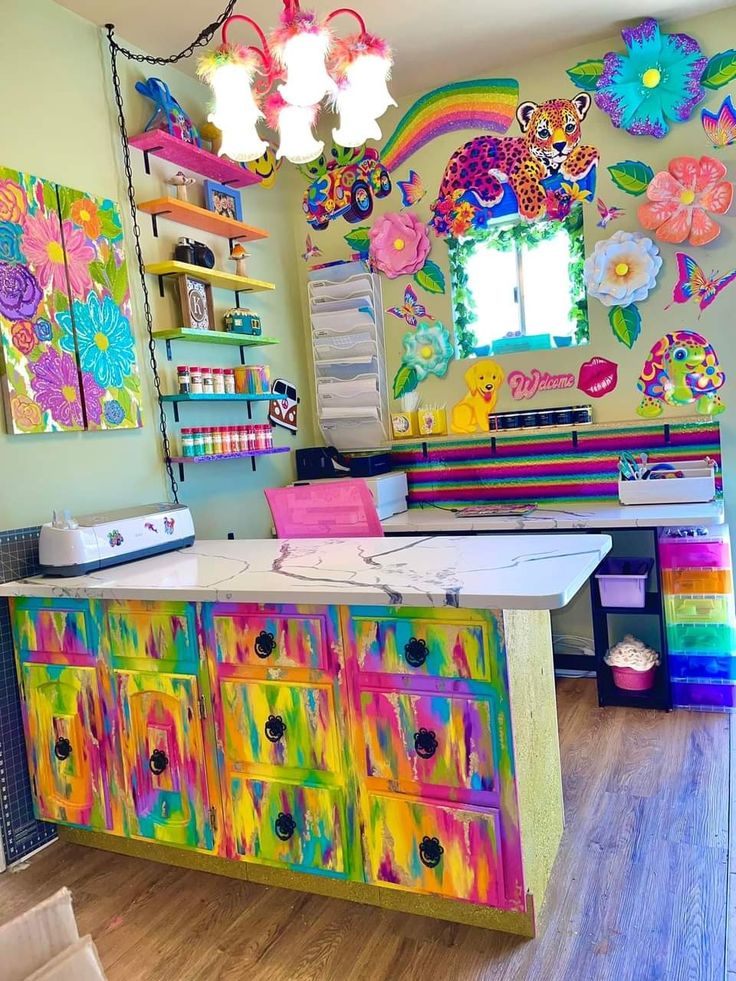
357	122
367	78
294	123
362	65
229	72
301	46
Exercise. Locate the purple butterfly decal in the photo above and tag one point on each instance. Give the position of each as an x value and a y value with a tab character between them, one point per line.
412	310
413	190
693	284
720	127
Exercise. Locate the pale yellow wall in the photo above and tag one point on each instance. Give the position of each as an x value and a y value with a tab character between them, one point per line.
58	123
542	79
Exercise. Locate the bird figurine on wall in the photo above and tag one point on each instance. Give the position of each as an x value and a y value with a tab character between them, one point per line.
181	182
239	254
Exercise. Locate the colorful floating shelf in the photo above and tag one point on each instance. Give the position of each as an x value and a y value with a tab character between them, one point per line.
181	461
268	397
212	337
192	215
158	143
225	280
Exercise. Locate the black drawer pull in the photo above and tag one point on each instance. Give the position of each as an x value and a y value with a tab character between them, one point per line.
416	652
274	728
265	644
430	852
158	761
285	826
62	748
425	743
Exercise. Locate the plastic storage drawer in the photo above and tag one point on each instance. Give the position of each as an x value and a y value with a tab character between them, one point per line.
702	667
704	695
715	638
695	553
685	582
699	609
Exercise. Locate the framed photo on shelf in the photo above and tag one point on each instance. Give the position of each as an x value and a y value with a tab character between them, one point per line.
195	297
223	200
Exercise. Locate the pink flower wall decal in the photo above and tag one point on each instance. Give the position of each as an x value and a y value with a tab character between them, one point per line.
399	244
681	197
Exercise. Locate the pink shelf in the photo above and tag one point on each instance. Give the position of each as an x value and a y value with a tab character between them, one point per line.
158	143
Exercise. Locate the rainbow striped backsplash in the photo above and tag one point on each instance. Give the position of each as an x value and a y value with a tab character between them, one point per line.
539	465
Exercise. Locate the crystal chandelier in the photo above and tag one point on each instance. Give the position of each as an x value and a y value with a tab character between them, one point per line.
310	65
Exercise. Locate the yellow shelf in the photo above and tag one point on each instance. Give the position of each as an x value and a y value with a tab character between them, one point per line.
225	280
185	213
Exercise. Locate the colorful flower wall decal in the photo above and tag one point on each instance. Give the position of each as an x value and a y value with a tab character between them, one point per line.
681	368
681	197
399	244
428	350
622	269
720	127
655	83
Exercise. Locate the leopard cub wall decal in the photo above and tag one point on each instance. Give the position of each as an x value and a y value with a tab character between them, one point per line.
542	173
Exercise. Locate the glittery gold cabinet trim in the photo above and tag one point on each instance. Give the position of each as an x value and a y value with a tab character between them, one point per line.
536	742
521	924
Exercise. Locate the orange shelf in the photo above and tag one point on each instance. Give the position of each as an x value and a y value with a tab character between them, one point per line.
185	213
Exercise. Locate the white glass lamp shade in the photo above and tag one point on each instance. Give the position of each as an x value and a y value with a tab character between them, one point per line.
303	57
367	78
356	126
297	142
236	113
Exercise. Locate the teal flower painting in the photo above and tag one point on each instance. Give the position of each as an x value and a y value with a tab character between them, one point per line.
104	340
656	82
10	236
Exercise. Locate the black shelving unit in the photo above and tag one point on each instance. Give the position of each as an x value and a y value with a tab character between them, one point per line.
659	697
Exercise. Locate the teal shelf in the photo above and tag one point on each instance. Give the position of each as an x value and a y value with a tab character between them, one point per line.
268	397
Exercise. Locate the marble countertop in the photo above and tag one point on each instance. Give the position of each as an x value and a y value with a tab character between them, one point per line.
516	572
432	520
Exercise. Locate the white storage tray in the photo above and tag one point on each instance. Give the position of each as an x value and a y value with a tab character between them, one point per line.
696	487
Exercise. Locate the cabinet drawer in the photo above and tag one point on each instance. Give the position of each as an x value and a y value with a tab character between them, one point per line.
699	609
58	629
435	849
429	739
280	822
156	632
687	581
261	639
275	724
703	667
711	638
424	646
64	732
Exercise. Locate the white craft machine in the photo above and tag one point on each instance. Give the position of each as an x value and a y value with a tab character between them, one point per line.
73	546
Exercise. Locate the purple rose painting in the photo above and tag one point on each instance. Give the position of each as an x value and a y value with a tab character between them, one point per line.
20	294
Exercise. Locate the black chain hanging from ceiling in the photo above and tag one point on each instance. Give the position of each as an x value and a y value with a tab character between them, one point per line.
202	39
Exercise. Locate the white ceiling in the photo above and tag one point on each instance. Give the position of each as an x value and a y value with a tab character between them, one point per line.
434	41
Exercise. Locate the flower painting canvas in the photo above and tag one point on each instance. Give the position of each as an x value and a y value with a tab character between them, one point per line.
68	351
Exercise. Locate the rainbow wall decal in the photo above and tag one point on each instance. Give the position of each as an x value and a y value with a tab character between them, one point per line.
487	104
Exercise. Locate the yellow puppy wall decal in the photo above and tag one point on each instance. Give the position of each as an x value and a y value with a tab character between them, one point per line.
484	379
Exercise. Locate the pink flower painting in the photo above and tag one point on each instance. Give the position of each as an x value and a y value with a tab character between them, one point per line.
45	251
682	199
399	244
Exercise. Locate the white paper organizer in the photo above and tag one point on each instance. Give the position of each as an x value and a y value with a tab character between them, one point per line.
697	486
349	356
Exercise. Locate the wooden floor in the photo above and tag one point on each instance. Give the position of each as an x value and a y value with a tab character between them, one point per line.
639	888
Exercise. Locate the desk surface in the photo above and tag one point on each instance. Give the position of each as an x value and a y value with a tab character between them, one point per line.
520	572
434	520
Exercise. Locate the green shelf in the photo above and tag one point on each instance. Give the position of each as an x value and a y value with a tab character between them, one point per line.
223	337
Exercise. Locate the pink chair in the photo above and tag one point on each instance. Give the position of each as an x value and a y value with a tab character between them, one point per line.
325	509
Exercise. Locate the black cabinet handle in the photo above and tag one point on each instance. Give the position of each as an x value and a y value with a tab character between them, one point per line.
416	652
158	761
285	826
62	748
425	743
430	852
274	728
265	644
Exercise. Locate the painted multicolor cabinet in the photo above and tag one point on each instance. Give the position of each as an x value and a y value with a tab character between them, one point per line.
369	746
